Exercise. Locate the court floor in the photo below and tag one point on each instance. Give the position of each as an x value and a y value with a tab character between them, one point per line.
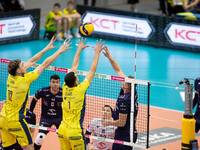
153	64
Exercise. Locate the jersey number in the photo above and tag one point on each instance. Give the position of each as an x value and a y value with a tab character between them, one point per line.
10	93
52	104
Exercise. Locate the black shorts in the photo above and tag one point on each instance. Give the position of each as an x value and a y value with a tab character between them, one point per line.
197	127
133	1
48	122
123	138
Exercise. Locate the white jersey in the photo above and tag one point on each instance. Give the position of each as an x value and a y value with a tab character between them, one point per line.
99	130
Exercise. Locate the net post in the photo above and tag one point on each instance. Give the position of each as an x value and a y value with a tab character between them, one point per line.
132	112
188	121
148	115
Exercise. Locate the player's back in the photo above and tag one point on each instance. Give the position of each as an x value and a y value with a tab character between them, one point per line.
17	96
74	105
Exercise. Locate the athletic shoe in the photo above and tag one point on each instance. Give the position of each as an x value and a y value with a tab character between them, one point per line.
77	35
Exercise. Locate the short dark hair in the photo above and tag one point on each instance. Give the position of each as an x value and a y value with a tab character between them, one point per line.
129	84
70	79
56	4
55	76
109	107
13	65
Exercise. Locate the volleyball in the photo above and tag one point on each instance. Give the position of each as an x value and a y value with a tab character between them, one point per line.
86	28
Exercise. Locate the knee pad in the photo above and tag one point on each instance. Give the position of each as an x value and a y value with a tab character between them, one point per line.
40	138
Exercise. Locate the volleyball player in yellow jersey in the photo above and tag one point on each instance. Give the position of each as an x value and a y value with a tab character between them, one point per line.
73	20
12	123
55	21
70	131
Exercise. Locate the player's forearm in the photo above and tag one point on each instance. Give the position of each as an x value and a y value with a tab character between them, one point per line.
76	15
117	123
76	60
51	59
37	56
115	65
94	63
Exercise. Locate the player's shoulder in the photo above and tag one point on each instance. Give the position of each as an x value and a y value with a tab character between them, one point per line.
65	10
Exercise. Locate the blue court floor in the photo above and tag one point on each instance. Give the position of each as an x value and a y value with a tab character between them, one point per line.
153	64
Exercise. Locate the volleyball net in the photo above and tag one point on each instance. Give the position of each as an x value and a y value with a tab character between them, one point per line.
104	90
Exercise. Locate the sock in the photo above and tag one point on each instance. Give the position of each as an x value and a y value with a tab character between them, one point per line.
68	31
37	147
77	30
58	35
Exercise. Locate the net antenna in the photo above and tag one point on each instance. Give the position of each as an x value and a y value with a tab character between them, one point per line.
135	50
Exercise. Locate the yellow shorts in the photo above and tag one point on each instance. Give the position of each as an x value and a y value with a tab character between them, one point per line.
71	138
12	131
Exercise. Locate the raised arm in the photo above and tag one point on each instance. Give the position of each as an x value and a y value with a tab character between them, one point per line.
118	123
93	67
114	64
37	56
75	63
53	57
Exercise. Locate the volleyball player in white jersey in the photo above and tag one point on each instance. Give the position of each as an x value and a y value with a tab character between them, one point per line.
97	129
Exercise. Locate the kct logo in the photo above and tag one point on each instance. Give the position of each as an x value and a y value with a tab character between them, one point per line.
104	23
186	34
183	34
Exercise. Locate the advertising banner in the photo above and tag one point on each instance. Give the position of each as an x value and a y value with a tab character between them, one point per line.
19	26
158	31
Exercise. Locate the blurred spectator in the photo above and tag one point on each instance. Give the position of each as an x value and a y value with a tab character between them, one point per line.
92	3
73	20
175	6
133	2
191	6
54	21
22	4
1	7
163	7
11	5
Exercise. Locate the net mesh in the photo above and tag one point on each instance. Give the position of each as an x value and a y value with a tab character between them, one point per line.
102	91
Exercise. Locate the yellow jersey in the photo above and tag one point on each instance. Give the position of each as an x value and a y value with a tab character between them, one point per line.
17	97
65	11
73	105
49	20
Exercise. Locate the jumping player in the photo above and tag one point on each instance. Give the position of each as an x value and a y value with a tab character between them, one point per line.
30	119
121	114
12	123
70	131
97	129
51	108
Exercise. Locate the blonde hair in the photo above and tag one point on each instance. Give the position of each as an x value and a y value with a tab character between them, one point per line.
70	2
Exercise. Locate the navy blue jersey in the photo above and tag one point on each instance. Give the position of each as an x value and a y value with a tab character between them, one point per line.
51	104
30	117
123	106
197	84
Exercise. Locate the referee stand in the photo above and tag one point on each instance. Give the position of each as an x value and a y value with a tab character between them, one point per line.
188	122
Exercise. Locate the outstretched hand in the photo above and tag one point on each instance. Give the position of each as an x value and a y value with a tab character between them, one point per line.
50	45
81	44
65	46
106	53
99	46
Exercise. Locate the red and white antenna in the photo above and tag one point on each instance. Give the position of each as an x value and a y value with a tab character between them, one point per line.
135	51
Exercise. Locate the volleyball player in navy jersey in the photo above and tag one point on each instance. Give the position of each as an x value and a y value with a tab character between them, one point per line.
121	114
51	108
